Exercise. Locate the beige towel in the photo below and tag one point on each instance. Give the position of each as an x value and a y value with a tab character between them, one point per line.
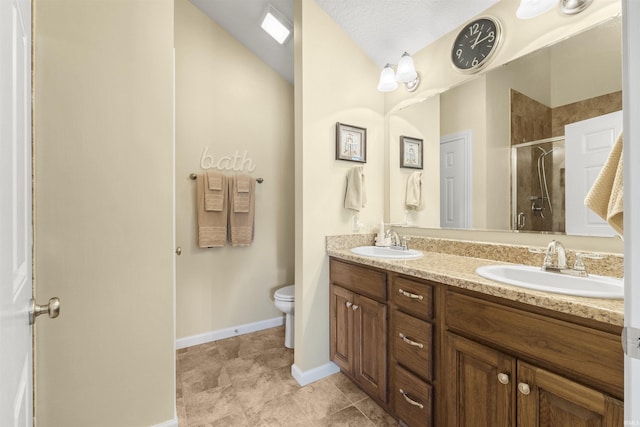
606	195
242	224
355	197
212	225
215	192
413	198
242	193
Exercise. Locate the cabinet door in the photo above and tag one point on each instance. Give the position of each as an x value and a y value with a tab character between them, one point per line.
341	349
480	385
549	400
370	338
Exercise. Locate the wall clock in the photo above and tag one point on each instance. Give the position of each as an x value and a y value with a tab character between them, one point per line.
475	44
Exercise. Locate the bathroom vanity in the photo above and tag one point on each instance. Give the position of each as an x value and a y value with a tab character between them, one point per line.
437	345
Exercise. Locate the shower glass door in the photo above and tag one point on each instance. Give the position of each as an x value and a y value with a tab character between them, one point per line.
537	186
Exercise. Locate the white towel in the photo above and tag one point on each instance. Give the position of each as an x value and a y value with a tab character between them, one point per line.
413	198
605	197
355	197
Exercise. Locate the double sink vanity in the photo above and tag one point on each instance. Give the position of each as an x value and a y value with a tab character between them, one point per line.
472	334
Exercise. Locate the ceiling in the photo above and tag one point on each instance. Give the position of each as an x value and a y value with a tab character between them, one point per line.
383	29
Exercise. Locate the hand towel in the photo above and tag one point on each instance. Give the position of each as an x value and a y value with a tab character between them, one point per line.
242	190
215	191
355	197
413	197
212	225
242	223
606	195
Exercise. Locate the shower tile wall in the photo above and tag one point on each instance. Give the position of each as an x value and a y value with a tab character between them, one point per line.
583	110
530	119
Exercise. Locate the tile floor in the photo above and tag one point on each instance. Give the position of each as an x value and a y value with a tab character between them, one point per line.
246	381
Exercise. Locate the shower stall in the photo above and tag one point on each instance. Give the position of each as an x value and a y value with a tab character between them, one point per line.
537	186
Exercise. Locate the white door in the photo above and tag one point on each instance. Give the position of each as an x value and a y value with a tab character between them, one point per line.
15	213
631	101
455	184
587	147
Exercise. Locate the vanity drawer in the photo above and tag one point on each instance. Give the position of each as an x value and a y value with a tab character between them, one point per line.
362	280
413	344
587	355
412	399
413	297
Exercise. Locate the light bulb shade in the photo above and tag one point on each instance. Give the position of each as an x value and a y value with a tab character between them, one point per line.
387	81
406	70
531	8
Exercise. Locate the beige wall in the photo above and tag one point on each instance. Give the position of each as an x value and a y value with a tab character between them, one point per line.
103	212
420	120
335	82
228	100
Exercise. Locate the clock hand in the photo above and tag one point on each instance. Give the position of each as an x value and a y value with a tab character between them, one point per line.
479	41
476	41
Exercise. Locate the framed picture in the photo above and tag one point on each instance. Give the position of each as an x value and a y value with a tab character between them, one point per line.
351	143
410	152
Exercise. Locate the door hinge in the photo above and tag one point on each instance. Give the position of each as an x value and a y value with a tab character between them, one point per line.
631	342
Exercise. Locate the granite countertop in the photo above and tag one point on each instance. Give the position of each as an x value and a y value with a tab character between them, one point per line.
459	271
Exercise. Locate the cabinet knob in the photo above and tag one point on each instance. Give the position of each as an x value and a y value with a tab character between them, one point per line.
503	378
348	304
524	388
355	307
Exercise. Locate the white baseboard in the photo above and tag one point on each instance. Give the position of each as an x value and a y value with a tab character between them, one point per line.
229	332
315	374
170	423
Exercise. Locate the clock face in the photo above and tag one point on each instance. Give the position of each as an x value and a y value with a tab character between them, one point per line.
475	44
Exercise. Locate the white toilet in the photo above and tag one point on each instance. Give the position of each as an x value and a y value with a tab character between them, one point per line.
285	302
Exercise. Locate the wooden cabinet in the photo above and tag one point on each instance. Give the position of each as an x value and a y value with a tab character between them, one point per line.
412	337
488	385
358	326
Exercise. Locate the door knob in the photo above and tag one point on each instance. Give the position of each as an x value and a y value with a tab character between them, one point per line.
52	309
503	378
524	388
178	250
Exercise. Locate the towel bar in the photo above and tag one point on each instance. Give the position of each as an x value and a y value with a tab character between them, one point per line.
194	176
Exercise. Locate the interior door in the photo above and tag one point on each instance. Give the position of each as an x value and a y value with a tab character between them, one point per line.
15	214
587	147
455	187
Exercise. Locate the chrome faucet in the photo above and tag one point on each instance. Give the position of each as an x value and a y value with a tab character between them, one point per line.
397	241
555	248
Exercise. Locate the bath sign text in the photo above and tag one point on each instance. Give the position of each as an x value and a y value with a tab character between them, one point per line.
236	162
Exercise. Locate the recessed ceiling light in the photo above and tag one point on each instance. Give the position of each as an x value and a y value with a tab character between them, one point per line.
276	25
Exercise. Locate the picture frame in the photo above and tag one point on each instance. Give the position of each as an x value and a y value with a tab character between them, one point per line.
351	143
410	152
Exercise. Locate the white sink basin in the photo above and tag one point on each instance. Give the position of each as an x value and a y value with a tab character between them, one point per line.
530	277
387	253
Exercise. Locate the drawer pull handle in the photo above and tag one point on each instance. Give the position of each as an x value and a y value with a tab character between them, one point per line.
348	304
410	400
503	378
410	341
524	388
410	295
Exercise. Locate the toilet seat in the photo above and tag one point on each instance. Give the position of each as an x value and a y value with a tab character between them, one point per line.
286	293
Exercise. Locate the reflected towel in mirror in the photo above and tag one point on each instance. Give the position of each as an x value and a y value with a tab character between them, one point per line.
606	195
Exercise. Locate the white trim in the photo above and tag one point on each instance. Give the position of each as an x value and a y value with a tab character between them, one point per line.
170	423
315	374
631	108
229	332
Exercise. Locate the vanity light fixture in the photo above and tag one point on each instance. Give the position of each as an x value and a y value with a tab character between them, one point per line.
276	25
406	73
532	8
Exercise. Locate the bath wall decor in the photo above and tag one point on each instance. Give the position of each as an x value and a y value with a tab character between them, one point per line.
239	162
410	152
351	143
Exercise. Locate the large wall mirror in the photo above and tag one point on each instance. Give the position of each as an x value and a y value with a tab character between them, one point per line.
494	146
